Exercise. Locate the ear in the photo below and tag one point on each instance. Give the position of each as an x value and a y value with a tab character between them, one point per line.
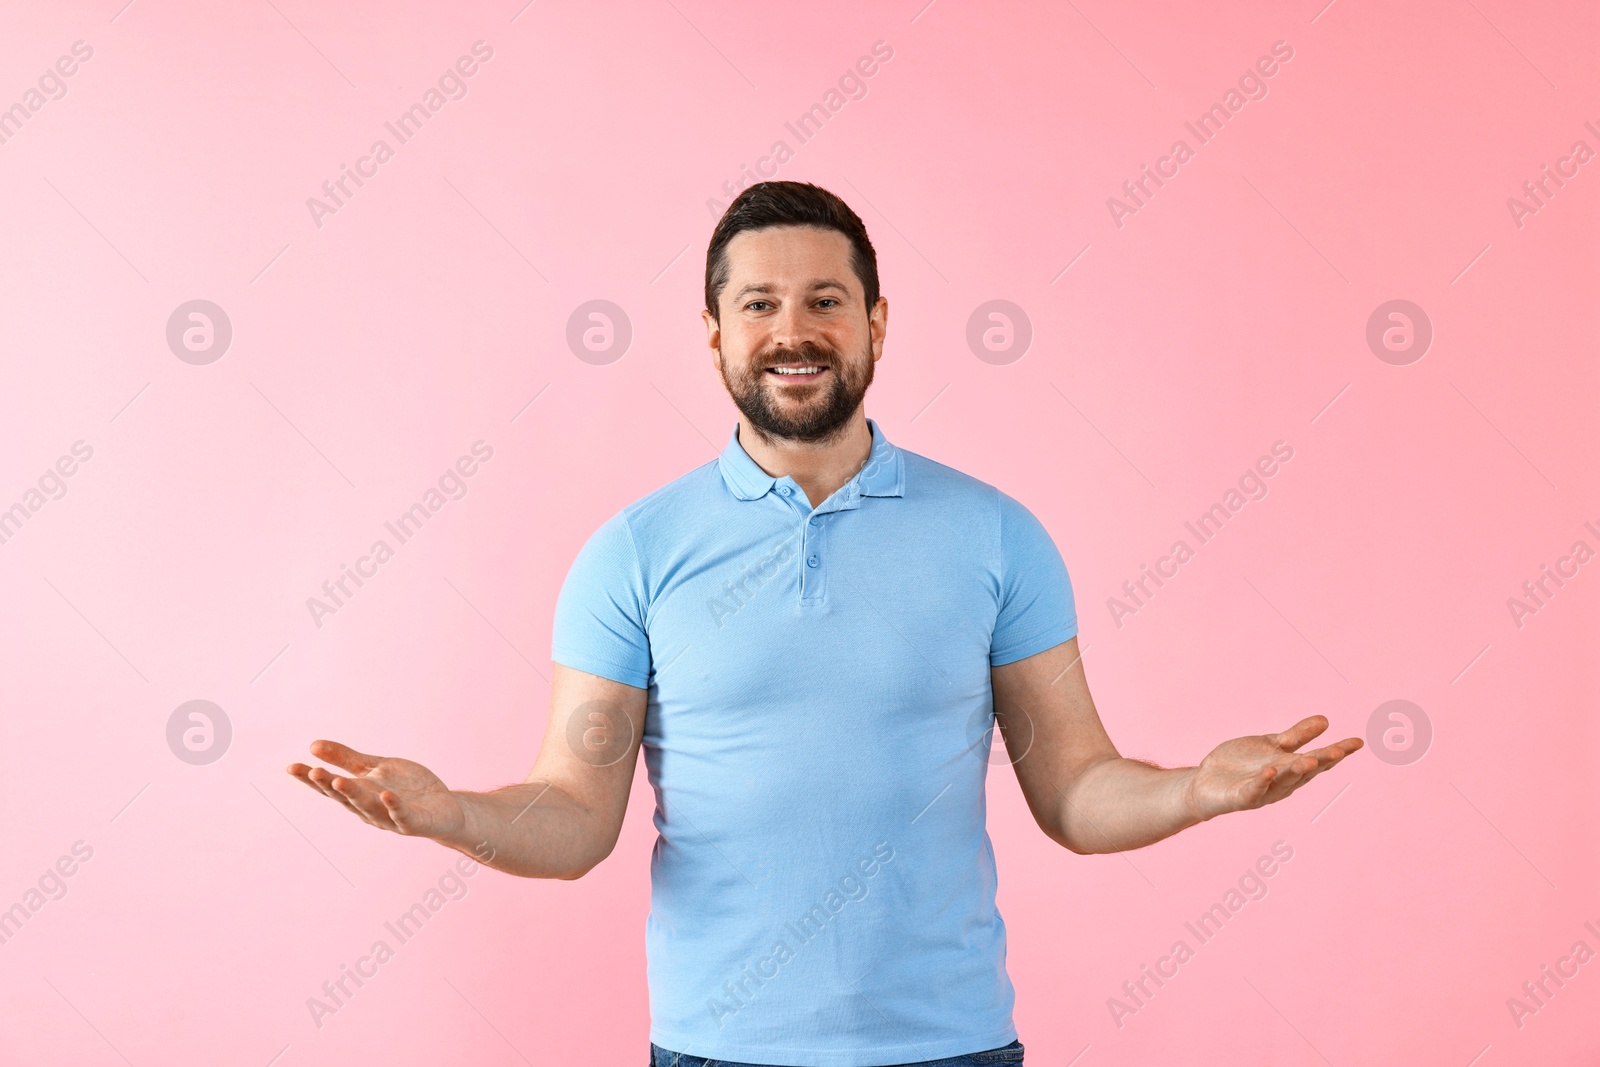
713	330
878	326
713	337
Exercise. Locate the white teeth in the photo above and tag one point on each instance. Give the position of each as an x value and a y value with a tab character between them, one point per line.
797	370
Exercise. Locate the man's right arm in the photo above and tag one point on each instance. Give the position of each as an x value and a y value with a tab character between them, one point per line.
565	818
559	823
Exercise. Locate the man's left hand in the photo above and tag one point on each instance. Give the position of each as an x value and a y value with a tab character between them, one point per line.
1251	772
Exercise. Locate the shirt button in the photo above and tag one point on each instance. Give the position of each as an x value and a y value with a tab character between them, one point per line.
811	561
785	490
816	522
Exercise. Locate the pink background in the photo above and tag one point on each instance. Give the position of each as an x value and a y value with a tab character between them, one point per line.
368	354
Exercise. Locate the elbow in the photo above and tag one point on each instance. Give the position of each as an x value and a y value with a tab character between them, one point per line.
1059	835
572	874
1074	840
1077	848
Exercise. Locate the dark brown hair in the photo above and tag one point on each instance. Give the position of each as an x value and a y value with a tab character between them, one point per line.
767	204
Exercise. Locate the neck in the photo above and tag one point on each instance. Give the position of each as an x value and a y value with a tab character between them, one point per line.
818	467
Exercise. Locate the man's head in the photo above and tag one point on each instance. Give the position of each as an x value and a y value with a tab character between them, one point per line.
792	282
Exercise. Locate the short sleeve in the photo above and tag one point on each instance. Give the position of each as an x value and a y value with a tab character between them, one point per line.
1037	610
600	612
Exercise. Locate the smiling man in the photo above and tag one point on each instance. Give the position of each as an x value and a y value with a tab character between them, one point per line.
811	638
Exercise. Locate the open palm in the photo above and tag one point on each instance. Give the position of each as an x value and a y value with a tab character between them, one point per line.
1250	772
388	792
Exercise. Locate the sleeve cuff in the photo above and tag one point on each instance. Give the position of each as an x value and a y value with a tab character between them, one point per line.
1048	639
616	672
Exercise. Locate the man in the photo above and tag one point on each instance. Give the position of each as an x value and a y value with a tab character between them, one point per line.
811	638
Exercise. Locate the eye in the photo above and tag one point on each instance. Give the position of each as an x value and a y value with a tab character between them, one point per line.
828	299
753	303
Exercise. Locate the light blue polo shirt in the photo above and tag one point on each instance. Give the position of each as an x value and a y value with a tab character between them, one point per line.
817	736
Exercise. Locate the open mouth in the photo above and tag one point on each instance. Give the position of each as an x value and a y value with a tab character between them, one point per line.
797	372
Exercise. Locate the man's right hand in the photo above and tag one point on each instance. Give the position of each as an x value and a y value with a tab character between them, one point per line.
558	823
391	793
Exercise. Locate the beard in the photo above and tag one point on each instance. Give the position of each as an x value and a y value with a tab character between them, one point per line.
823	412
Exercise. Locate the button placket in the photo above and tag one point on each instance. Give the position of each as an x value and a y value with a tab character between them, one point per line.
813	568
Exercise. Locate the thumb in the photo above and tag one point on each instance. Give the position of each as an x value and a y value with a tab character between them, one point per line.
344	757
1301	732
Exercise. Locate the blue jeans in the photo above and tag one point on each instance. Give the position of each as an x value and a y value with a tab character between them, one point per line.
1006	1055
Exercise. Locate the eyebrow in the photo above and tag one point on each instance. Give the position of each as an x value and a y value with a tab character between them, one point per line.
767	287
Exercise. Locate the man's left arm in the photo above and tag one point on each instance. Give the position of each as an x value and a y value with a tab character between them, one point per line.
1089	799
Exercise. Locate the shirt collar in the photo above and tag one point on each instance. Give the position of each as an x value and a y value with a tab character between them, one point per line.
882	475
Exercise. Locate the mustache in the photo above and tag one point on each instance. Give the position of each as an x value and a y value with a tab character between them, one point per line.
806	353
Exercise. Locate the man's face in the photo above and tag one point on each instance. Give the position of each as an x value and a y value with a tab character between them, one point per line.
793	302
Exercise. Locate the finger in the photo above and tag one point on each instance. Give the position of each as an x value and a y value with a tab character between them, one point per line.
344	757
299	772
309	775
1343	749
327	790
1253	792
1302	780
303	775
1300	732
404	819
1292	773
1305	770
1292	778
1333	753
322	779
364	799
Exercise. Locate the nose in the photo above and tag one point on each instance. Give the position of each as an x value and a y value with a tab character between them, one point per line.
789	329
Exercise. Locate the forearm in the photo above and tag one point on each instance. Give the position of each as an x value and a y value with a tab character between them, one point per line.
534	830
1116	804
